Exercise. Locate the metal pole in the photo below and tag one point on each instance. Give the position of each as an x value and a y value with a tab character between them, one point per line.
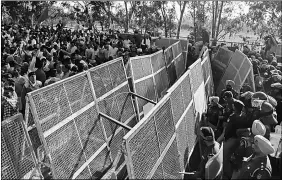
135	103
115	121
141	97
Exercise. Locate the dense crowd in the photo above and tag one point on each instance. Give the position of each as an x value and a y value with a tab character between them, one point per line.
244	121
36	57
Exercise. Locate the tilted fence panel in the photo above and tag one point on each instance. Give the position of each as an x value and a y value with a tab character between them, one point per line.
66	114
17	157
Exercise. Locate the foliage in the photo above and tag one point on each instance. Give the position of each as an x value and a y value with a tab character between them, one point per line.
265	17
23	11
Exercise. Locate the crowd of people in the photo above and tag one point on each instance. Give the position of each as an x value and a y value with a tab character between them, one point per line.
36	57
243	121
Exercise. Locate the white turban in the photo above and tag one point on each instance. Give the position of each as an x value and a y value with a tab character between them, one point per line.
230	82
264	145
258	128
214	99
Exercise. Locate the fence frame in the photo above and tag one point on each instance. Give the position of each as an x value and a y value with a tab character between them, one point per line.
26	139
93	104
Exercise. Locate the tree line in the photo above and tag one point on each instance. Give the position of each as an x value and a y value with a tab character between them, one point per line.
216	17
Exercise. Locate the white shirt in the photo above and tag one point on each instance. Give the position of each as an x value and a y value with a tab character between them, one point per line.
33	42
113	51
126	43
52	51
148	42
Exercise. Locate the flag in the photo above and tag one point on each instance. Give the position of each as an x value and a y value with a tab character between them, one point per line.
43	16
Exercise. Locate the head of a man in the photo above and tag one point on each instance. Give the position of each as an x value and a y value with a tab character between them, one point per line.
32	77
207	135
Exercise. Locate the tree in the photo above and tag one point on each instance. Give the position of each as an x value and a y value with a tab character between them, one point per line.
24	12
182	5
265	17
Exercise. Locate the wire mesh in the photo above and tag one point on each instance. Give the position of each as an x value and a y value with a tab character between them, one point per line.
205	69
220	63
101	80
177	103
78	92
16	160
168	56
237	71
190	125
85	174
162	84
171	166
124	103
182	140
90	131
172	73
174	50
7	168
179	65
116	143
141	67
144	150
196	77
158	61
117	73
30	120
164	124
66	151
158	173
34	137
51	104
186	88
100	164
146	89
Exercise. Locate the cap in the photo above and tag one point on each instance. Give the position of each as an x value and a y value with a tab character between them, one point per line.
259	95
214	99
230	82
263	144
243	132
276	77
228	94
265	62
272	101
247	95
266	107
43	57
238	104
31	74
207	133
276	85
258	128
273	72
9	88
271	67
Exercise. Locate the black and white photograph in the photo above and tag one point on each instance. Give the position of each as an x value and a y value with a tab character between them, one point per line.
141	89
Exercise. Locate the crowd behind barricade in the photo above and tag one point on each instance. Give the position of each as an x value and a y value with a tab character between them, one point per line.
32	58
36	57
243	121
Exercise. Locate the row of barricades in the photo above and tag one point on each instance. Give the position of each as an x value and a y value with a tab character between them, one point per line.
159	145
79	123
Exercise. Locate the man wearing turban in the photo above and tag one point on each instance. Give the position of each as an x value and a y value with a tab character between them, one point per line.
257	166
